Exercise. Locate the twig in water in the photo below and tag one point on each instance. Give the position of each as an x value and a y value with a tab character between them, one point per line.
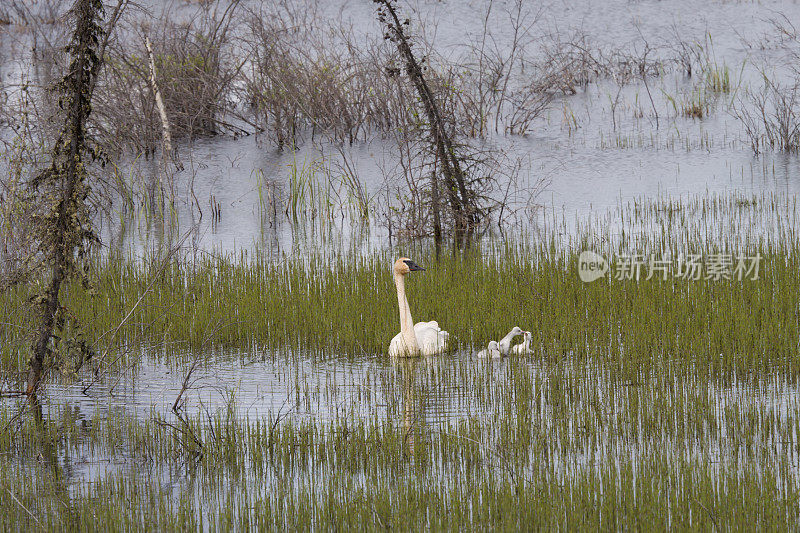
160	270
26	509
186	385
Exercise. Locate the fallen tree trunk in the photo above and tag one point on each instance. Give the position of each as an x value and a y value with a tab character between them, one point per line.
460	198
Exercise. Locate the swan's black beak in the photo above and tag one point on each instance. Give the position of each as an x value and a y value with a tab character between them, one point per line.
412	266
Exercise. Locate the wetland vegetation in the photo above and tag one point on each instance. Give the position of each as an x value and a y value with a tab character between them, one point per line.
213	355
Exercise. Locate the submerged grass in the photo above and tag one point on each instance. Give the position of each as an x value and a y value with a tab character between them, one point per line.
649	404
566	448
347	305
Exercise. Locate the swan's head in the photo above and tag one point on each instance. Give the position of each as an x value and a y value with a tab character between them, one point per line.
404	265
493	345
527	335
516	331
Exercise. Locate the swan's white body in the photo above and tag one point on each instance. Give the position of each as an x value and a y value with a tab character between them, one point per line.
431	339
505	342
492	351
525	346
422	338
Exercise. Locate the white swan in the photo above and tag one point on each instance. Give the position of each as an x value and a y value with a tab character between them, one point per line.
505	342
492	351
525	346
422	338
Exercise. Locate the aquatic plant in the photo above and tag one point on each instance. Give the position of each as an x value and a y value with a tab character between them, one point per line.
559	443
319	303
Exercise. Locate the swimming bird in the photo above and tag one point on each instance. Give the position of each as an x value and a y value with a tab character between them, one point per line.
505	342
492	351
525	346
422	338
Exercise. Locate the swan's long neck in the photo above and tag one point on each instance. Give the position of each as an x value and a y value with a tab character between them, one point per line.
507	338
406	322
505	342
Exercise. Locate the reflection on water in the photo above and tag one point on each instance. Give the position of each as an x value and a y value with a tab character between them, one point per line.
305	385
224	191
412	419
575	409
587	417
574	183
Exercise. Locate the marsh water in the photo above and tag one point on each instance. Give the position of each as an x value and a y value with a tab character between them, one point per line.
579	159
577	162
582	163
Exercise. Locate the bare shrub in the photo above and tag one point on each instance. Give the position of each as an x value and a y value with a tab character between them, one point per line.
770	113
194	74
305	75
26	13
770	116
498	87
686	55
17	245
308	76
570	63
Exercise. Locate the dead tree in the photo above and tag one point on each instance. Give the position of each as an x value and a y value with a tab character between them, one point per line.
64	224
460	197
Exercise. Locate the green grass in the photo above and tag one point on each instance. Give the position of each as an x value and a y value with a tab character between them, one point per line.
629	463
646	404
349	307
